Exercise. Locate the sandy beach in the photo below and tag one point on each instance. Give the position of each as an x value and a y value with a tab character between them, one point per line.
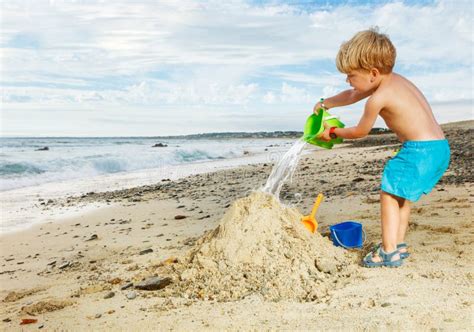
81	272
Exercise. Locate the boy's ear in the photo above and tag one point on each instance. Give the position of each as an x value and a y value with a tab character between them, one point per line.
374	72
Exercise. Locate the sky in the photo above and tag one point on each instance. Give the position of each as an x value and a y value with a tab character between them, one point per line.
152	68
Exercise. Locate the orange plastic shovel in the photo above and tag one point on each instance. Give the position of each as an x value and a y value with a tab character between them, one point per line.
310	221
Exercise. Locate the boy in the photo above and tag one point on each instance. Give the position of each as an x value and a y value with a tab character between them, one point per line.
367	60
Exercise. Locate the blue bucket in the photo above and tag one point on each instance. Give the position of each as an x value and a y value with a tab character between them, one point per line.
347	234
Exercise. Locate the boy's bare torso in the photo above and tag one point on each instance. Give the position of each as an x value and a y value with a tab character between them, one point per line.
406	111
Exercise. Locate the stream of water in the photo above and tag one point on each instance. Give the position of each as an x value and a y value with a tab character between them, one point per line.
284	169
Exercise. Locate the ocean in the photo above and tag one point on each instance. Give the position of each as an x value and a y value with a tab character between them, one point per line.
72	166
23	164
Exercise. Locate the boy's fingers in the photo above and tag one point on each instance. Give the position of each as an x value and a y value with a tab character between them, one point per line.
321	137
316	108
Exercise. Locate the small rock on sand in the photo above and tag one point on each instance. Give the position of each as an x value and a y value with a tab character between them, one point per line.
131	295
153	283
109	295
92	237
64	265
146	251
126	286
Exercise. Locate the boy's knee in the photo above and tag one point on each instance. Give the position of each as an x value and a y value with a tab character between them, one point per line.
384	194
387	196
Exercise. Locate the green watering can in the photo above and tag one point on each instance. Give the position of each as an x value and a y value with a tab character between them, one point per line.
315	126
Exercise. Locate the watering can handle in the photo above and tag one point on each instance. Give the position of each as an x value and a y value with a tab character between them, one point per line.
342	245
316	205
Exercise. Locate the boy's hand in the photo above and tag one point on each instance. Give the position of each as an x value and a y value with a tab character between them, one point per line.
324	136
317	107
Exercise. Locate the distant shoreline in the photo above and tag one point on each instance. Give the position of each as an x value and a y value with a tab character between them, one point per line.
226	135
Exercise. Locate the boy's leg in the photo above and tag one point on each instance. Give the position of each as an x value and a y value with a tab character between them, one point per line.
404	217
390	218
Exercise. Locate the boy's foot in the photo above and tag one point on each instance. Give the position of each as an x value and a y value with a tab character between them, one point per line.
379	258
402	249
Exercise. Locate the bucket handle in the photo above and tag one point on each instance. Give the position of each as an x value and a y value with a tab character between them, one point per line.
330	117
364	237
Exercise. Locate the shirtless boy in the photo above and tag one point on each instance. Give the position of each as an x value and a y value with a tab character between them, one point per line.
367	60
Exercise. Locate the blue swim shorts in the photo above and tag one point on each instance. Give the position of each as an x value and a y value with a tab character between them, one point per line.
416	169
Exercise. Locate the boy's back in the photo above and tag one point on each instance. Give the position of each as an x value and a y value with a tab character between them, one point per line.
406	111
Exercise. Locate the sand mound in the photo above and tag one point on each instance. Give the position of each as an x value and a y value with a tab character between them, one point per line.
260	247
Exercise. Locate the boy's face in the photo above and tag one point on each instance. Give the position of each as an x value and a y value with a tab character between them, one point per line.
359	80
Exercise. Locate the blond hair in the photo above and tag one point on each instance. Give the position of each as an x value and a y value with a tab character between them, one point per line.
366	50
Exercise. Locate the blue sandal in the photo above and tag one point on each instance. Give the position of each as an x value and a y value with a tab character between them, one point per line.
386	258
402	245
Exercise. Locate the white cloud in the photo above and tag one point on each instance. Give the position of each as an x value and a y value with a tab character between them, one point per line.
99	36
269	98
291	94
444	86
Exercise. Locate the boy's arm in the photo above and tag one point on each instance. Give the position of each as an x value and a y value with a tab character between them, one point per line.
344	98
371	111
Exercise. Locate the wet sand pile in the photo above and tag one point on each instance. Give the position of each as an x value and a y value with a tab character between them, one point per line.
260	247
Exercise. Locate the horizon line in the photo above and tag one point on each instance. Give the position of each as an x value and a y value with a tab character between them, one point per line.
197	134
